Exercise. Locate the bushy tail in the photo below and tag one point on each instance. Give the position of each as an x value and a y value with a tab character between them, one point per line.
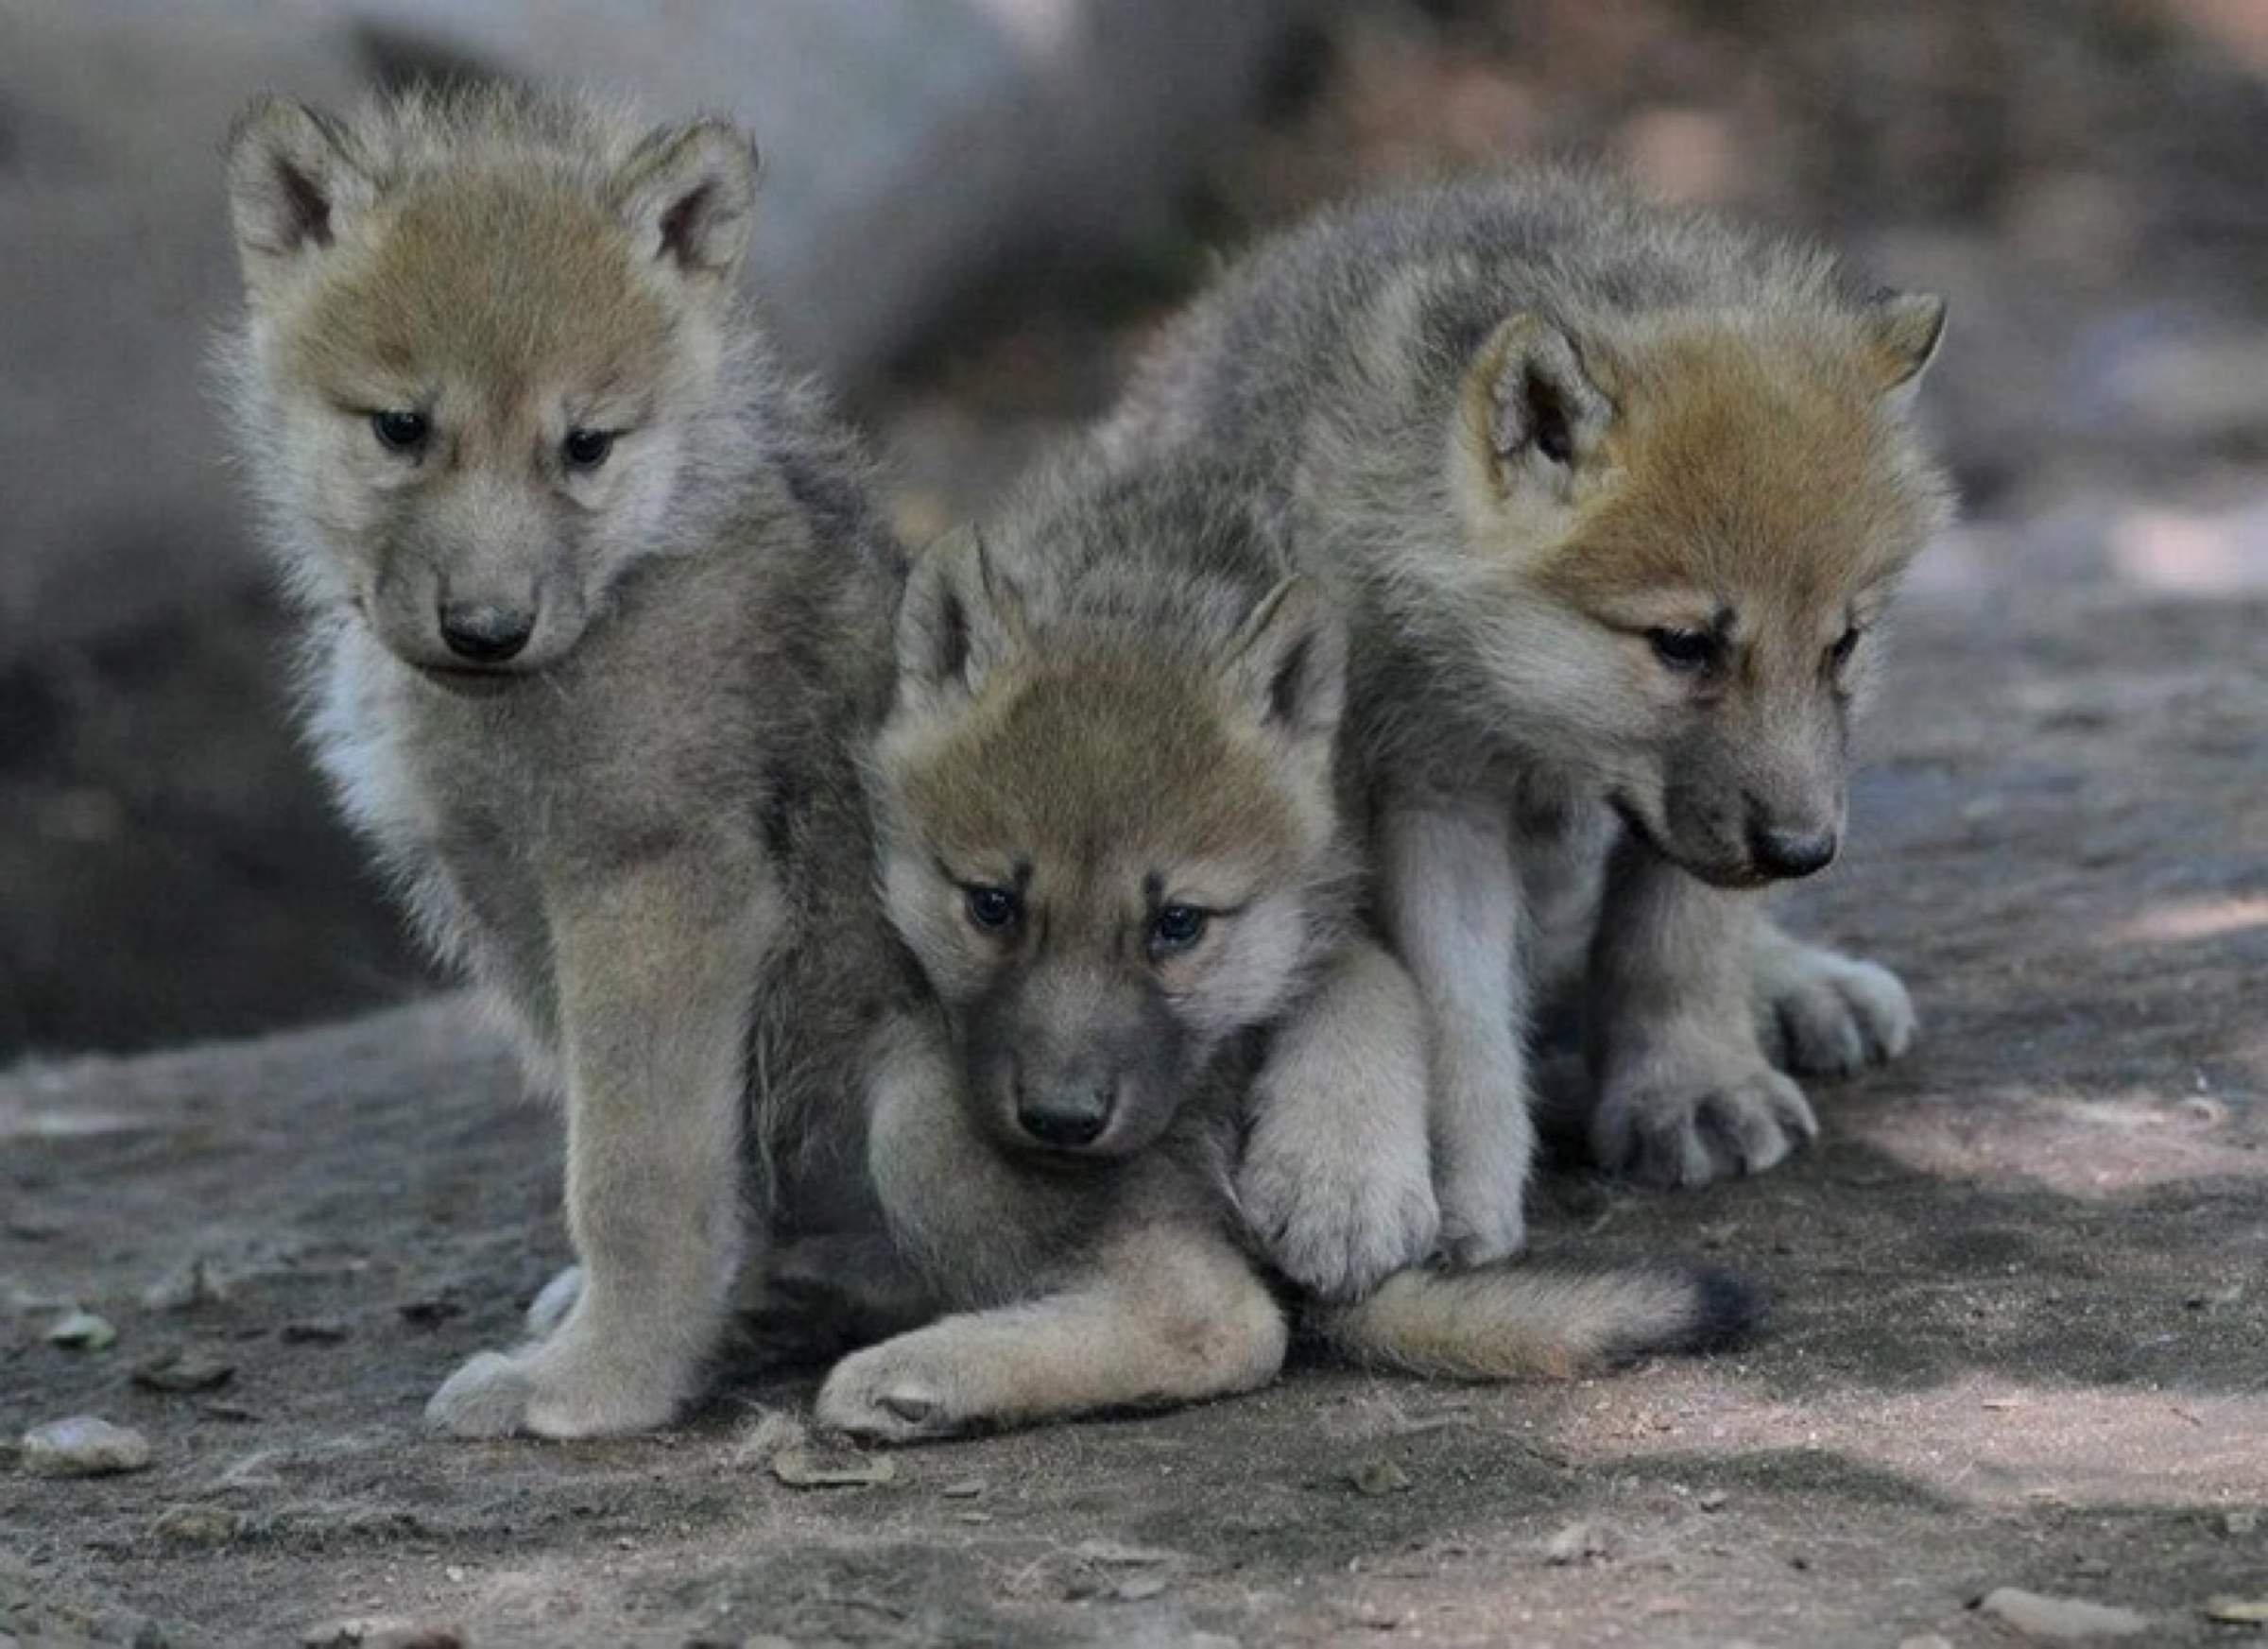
1513	1321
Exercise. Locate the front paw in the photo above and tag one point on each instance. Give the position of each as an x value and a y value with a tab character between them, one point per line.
1338	1227
1484	1214
889	1393
1822	1014
564	1387
1708	1115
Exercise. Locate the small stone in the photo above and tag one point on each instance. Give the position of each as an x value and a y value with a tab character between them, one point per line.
2237	1611
181	1371
314	1332
967	1488
1577	1543
2062	1619
83	1331
82	1446
1715	1499
195	1525
975	1516
1138	1588
818	1467
186	1286
454	1575
2242	1521
1377	1477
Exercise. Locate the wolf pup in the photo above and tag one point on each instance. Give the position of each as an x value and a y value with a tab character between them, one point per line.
598	623
1616	499
1108	835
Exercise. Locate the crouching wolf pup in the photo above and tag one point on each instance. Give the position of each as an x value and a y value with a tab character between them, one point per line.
1616	499
1108	835
597	625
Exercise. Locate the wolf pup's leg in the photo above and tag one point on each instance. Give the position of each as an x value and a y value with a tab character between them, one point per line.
1684	1091
1452	904
1821	1013
1337	1178
1172	1313
656	976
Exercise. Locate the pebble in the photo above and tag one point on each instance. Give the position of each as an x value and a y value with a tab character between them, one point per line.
2242	1522
967	1488
83	1331
82	1446
1577	1543
195	1525
186	1286
180	1372
1375	1477
2062	1619
1716	1499
1141	1587
2237	1611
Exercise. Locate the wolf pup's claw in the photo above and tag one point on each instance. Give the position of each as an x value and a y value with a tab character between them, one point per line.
873	1396
1823	1014
1686	1126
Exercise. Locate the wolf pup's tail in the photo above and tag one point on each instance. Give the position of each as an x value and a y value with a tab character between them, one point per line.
1513	1321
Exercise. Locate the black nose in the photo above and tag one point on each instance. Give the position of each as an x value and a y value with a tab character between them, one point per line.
1069	1115
1791	854
485	634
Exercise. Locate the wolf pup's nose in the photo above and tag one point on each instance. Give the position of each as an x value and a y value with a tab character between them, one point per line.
1791	854
1067	1117
484	634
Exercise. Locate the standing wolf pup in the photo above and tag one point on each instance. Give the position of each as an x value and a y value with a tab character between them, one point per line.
1108	833
1616	498
598	624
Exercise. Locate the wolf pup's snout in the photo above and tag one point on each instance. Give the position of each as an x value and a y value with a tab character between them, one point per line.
485	632
1067	1110
1788	852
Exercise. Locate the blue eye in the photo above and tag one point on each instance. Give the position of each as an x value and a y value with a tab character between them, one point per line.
1175	928
994	910
399	432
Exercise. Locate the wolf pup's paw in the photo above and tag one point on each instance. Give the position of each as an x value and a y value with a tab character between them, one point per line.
889	1393
1484	1215
1823	1014
1689	1120
558	1389
1335	1223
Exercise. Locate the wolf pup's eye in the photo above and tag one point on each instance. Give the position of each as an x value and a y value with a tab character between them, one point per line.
586	448
399	432
1175	928
1846	644
1684	649
994	910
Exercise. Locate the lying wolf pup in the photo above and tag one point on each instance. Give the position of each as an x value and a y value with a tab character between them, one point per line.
1108	833
598	625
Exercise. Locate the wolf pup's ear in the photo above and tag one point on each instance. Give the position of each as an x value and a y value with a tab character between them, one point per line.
1904	330
959	619
1531	410
688	194
294	182
1288	663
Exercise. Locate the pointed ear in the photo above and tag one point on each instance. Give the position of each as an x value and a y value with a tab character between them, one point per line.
1904	330
1288	663
959	620
293	181
1532	411
688	194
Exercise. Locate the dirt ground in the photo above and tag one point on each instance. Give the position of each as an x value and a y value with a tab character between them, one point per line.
2022	1334
2023	1282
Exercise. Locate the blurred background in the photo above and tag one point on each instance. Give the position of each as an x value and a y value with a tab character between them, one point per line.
974	211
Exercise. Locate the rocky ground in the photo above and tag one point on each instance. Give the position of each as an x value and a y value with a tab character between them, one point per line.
2022	1336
